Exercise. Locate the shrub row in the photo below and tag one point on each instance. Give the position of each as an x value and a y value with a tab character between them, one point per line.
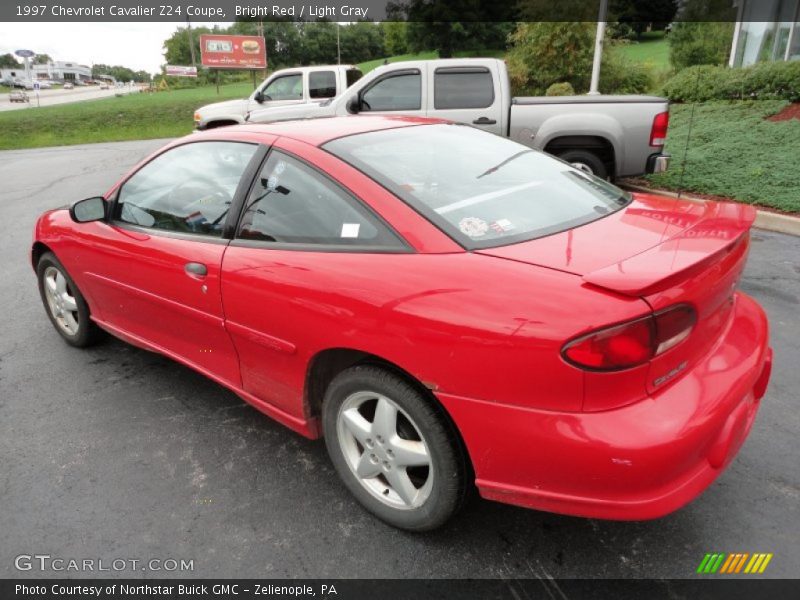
773	80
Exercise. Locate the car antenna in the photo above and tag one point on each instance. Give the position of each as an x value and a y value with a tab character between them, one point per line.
688	136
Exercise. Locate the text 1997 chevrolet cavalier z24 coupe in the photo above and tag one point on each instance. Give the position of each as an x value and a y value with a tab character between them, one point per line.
443	305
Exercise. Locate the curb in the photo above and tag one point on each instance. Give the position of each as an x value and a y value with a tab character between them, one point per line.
765	219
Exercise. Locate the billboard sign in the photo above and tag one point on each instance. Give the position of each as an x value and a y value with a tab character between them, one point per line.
25	53
233	51
179	71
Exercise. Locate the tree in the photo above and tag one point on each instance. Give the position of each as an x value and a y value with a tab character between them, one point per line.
361	41
703	34
639	14
42	59
395	37
7	61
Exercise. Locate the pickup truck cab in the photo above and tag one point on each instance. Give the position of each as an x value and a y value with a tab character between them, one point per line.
609	136
287	87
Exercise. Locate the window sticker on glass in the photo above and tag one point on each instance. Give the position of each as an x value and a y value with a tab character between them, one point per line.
473	227
350	230
502	225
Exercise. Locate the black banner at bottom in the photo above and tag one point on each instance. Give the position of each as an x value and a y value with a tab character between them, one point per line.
398	589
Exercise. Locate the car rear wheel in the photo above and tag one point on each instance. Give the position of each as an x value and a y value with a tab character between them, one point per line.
65	304
393	448
586	161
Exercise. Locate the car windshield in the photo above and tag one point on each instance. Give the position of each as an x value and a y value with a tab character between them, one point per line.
481	189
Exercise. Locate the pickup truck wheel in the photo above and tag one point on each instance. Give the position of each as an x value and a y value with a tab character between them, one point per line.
586	161
393	449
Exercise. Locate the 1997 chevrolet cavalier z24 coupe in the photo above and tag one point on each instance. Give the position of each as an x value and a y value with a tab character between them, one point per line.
442	304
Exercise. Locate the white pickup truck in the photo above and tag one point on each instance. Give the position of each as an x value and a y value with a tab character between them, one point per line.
287	87
609	136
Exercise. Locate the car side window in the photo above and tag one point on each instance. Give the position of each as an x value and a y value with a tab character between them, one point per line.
285	87
395	92
459	87
322	84
187	189
293	203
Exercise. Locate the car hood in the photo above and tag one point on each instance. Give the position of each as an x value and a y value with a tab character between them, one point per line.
648	241
239	105
295	111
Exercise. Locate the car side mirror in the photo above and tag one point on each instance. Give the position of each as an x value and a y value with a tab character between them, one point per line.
88	210
259	96
354	105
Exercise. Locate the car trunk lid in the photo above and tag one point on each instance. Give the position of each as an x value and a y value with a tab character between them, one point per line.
665	251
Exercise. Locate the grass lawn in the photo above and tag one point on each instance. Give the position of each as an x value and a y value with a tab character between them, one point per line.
734	152
652	52
133	117
652	49
366	67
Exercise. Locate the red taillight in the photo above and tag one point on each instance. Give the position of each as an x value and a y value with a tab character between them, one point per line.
633	343
658	134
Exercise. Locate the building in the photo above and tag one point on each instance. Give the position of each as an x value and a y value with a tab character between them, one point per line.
766	30
59	70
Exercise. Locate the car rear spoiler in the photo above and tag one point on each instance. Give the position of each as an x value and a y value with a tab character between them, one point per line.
722	226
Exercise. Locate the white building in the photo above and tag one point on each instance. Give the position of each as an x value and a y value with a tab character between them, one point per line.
766	30
60	70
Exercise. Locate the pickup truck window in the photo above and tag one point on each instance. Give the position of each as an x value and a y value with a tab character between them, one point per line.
286	87
401	91
462	87
322	84
353	75
482	190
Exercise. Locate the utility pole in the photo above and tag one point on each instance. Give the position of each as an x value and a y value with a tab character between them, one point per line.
191	41
598	48
338	49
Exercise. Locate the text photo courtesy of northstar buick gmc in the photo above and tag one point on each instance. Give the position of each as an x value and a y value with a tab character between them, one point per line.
446	307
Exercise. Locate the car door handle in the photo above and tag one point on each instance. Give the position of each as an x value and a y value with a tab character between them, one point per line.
194	269
484	121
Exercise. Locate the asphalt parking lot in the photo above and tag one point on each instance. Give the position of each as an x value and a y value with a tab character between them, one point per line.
115	452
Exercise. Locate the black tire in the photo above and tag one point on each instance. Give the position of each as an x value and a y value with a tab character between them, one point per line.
588	159
447	459
88	332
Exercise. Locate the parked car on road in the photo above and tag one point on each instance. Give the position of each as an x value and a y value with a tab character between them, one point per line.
68	86
608	136
18	97
439	303
288	87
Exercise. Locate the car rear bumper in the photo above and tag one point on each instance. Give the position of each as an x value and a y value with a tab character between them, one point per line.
658	163
641	461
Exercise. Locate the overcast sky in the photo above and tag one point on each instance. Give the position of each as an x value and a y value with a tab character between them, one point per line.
134	45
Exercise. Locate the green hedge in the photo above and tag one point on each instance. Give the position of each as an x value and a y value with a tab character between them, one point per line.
774	80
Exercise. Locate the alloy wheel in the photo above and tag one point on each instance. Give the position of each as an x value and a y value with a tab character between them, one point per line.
60	301
385	450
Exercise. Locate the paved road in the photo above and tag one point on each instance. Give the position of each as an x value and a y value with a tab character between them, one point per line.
61	96
118	453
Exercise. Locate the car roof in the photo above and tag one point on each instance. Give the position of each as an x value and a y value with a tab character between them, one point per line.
321	130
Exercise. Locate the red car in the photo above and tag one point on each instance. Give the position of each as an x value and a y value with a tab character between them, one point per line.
442	304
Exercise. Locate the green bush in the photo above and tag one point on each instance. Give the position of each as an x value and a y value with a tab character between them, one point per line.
561	52
769	80
620	76
699	43
560	89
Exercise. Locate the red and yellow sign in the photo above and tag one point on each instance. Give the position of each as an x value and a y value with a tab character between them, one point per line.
233	51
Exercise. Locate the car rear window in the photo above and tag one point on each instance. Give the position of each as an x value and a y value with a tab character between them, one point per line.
481	189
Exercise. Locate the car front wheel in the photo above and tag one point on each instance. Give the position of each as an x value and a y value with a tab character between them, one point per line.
64	303
393	448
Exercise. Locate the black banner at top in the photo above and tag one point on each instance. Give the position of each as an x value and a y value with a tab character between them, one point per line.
657	11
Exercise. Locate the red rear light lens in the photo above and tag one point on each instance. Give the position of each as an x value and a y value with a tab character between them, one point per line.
633	343
658	134
673	326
